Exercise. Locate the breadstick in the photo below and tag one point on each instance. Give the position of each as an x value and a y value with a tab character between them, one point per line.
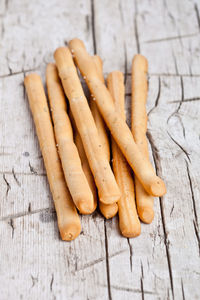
74	175
128	219
100	167
110	210
139	127
68	219
84	160
118	127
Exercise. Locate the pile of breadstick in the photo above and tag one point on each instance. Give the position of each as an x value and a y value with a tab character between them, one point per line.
76	147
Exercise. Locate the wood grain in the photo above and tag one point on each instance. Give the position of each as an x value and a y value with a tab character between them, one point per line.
163	263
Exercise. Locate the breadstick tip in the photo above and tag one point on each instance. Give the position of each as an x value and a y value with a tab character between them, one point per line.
60	50
131	232
158	188
70	232
140	60
31	76
108	211
77	43
146	215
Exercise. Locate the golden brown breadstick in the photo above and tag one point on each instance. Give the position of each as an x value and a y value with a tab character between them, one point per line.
100	167
128	219
118	127
84	160
139	126
68	219
110	210
74	175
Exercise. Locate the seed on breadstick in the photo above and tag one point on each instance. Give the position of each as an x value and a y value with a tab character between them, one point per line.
84	160
67	216
128	219
108	211
100	167
118	127
139	127
74	175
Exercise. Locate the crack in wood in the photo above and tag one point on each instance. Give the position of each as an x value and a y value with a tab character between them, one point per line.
23	173
171	38
128	289
15	177
125	63
29	207
186	153
87	21
7	184
196	230
121	12
34	280
93	27
107	262
182	289
197	14
173	75
27	213
136	28
141	281
157	97
175	63
181	101
99	260
51	282
130	254
185	100
182	125
33	171
17	73
11	223
182	95
157	162
196	227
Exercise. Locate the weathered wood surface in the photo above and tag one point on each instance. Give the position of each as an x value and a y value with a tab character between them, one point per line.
163	263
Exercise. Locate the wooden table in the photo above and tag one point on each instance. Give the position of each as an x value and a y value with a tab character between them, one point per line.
163	263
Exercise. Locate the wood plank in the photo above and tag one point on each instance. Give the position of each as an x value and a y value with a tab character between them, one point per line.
41	266
165	20
163	263
177	206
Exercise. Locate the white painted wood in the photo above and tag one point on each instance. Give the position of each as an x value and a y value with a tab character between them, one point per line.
163	263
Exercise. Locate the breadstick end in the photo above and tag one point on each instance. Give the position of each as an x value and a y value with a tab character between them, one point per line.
158	188
141	61
109	199
77	43
146	215
132	232
32	77
85	208
70	232
108	211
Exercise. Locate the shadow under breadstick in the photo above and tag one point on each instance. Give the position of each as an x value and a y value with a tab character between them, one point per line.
74	175
67	216
100	167
110	210
139	127
128	219
117	125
